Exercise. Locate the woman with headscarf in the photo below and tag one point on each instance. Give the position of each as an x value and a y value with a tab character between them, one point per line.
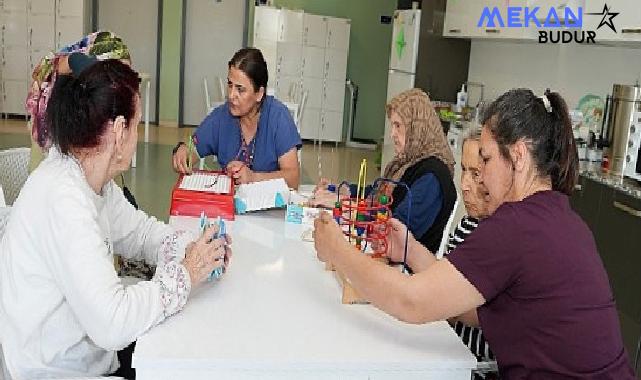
423	161
95	46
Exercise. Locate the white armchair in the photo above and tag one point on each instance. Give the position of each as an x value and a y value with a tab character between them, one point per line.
14	170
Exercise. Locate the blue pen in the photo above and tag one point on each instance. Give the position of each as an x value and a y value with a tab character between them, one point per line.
218	272
203	221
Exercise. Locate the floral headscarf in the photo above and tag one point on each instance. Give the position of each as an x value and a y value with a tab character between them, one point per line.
102	45
424	135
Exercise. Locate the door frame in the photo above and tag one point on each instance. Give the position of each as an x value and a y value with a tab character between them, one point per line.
94	28
183	34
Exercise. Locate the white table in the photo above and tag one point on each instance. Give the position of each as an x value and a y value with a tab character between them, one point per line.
277	314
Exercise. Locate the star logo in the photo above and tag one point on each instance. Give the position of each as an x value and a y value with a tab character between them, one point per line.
607	18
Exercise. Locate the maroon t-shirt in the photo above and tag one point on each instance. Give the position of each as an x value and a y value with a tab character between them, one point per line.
549	311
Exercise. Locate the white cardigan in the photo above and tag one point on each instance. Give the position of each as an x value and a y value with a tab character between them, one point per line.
63	309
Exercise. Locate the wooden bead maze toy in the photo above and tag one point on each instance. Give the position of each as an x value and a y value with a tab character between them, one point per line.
365	223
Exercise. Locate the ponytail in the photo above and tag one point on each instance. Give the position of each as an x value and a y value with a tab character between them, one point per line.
544	123
564	159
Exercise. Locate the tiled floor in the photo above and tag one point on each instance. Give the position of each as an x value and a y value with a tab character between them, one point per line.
153	178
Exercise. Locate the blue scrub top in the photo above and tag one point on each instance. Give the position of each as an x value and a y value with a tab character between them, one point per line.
219	134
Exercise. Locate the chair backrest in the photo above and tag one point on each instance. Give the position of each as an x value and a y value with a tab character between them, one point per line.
207	97
14	170
221	87
446	230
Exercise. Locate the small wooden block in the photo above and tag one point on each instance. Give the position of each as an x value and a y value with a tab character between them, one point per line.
350	295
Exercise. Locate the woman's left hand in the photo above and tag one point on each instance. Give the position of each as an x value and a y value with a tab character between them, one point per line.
240	172
328	237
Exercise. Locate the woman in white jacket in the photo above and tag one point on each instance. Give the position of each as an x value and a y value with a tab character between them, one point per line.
63	310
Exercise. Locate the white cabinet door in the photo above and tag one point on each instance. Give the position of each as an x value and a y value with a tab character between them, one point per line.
475	10
14	29
457	19
289	59
314	30
310	125
291	27
559	7
15	63
334	95
71	8
14	5
41	6
42	31
627	23
68	30
313	62
335	64
332	126
266	23
15	93
338	33
314	88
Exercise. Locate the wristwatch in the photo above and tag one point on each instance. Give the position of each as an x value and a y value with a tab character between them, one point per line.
173	151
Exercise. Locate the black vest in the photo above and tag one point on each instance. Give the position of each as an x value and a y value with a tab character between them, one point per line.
432	237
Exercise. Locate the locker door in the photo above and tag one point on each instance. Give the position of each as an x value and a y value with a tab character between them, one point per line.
266	25
71	8
69	30
338	33
15	93
334	96
289	59
14	5
310	125
291	27
314	30
313	62
42	31
332	126
15	63
314	86
14	29
335	64
42	7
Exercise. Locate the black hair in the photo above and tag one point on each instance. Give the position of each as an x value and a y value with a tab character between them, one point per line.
251	62
546	129
81	107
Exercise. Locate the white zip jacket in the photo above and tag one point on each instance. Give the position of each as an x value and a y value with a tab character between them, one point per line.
63	310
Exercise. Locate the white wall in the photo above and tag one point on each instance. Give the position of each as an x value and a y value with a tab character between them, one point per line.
572	70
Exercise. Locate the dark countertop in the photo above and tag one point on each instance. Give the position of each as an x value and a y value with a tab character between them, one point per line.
623	184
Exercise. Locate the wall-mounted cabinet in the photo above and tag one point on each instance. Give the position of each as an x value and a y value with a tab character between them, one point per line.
462	19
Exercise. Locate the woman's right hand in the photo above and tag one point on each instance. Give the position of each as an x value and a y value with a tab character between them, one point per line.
179	160
205	255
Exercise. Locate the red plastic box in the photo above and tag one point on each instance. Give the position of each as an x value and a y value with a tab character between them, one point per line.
192	203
